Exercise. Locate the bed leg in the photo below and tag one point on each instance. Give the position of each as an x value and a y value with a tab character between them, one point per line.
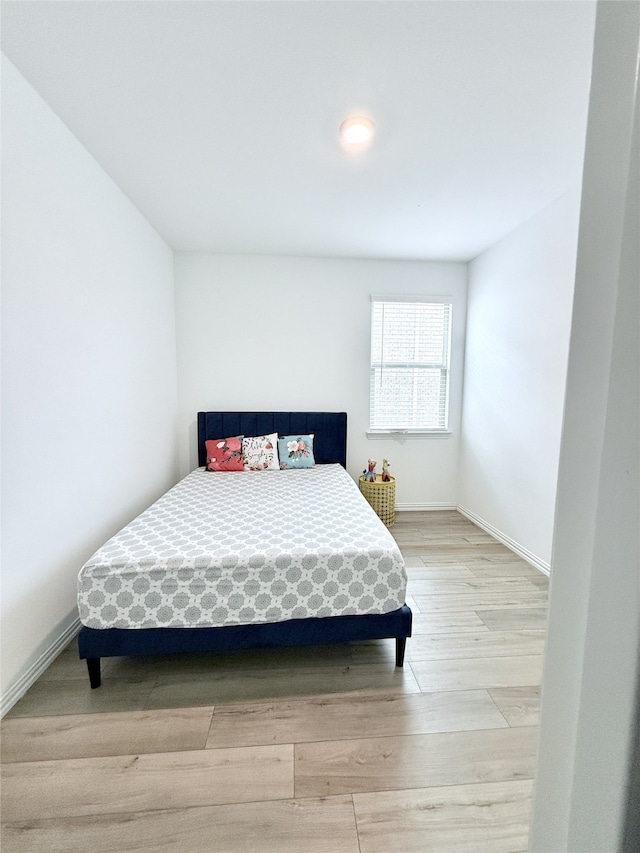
401	643
93	665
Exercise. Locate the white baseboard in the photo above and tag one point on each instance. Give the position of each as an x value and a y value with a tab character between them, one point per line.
20	687
430	507
518	549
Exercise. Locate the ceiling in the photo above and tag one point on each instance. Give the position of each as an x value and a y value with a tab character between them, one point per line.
219	120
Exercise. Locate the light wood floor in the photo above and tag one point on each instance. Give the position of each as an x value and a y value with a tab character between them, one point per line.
319	750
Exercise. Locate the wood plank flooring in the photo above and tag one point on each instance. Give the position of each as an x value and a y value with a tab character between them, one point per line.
319	750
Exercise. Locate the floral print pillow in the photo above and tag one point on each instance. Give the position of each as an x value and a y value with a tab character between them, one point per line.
261	452
225	454
296	451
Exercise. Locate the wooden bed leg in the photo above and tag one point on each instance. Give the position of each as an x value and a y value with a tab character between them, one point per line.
401	643
93	665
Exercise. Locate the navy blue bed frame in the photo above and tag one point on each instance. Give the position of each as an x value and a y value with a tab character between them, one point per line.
329	430
330	446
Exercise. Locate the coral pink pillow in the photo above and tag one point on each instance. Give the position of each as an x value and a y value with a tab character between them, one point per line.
225	454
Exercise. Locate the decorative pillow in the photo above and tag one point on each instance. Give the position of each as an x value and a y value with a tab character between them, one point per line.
296	451
261	452
225	454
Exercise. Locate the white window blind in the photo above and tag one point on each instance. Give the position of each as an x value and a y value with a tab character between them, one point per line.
410	353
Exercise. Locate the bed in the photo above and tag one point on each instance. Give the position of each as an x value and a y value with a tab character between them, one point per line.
252	559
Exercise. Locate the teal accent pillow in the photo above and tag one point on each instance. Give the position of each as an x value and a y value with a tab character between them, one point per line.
296	451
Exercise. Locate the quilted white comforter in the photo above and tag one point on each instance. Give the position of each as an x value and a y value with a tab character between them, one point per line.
245	547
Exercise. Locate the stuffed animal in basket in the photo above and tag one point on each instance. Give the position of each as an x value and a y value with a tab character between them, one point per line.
385	476
370	472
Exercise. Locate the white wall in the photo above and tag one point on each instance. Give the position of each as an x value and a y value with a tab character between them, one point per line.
89	376
518	322
591	673
282	333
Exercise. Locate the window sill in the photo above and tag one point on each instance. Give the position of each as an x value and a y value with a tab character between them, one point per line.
398	434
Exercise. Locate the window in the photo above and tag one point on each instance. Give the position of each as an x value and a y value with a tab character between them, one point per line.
410	353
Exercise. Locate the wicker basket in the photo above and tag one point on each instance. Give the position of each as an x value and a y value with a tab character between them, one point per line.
381	496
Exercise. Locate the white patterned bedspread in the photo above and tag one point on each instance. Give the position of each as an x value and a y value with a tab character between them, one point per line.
244	547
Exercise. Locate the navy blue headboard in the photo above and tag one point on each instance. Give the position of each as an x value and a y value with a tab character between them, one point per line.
329	429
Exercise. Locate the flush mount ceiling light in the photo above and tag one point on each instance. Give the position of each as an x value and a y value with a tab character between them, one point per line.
357	130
